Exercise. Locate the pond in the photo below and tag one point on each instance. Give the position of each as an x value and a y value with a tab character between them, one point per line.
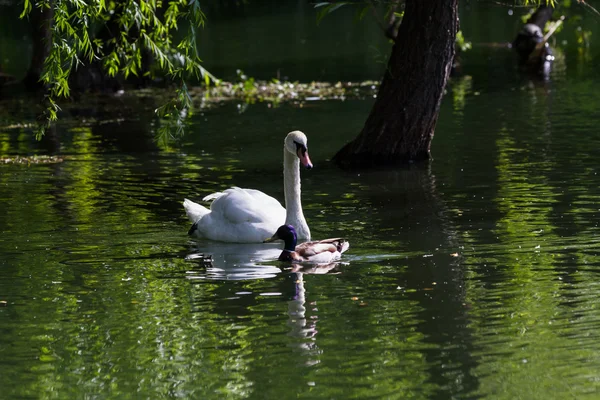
472	276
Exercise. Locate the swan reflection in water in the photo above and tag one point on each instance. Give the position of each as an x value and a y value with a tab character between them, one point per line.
229	261
234	261
241	261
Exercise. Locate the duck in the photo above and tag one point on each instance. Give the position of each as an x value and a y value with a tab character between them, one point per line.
322	251
247	215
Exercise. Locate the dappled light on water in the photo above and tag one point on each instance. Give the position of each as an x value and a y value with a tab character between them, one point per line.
472	275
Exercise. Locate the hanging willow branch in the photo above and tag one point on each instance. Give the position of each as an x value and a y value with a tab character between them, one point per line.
142	26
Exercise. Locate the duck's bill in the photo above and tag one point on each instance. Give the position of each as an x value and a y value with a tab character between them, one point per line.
271	239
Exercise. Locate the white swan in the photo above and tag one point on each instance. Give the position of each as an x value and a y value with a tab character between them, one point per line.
250	216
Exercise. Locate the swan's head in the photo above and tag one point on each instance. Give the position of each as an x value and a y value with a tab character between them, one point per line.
287	233
296	143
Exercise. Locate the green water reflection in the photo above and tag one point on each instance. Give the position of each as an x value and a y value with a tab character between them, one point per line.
471	277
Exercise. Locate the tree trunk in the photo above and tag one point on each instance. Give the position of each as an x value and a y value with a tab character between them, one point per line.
40	21
400	126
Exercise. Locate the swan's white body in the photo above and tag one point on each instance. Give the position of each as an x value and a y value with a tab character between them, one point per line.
248	215
236	215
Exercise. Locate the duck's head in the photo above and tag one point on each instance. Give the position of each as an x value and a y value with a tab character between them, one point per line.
296	143
287	233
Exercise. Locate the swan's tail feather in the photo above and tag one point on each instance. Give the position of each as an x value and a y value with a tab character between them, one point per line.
194	211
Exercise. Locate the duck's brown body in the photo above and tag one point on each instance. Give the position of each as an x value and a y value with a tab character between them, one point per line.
304	251
322	251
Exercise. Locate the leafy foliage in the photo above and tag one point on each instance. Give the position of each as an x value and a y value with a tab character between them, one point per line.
174	114
327	7
461	42
141	26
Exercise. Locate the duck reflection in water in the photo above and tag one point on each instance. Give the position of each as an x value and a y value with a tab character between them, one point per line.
302	327
229	261
318	257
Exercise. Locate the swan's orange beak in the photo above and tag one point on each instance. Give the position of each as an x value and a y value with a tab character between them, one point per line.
302	154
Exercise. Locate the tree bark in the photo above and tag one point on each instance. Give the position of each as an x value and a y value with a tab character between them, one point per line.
401	124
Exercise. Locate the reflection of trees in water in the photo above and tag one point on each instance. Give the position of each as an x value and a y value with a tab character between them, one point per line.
408	209
403	211
428	222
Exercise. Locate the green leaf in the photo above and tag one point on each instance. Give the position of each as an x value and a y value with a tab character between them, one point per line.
328	8
362	12
26	9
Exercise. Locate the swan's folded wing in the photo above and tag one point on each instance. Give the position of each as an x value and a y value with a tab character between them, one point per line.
238	205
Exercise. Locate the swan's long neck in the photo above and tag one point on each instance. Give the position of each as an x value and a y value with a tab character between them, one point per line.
291	186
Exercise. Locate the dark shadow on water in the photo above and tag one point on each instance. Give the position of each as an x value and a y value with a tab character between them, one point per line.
412	210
